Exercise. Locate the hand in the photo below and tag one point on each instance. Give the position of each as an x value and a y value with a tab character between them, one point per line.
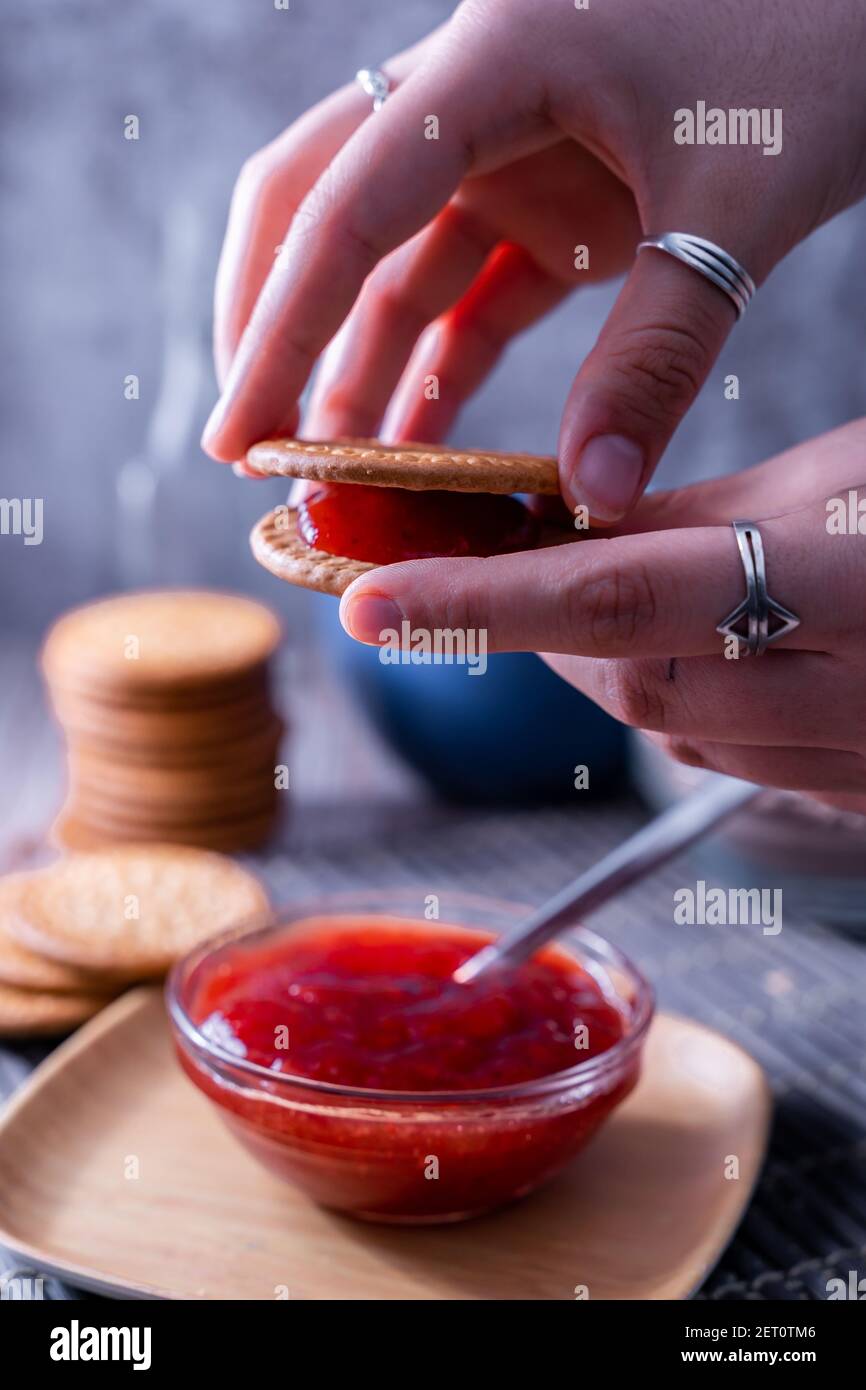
556	129
632	619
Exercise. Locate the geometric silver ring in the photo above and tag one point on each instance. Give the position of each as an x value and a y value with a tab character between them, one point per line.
757	608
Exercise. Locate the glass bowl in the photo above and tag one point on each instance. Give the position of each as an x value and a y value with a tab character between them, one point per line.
401	1156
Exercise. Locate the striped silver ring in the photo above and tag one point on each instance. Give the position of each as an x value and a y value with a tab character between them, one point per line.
708	260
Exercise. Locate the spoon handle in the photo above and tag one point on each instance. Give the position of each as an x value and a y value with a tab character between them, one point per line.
651	846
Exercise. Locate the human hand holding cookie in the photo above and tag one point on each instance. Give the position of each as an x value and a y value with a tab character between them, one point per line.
632	619
409	257
402	258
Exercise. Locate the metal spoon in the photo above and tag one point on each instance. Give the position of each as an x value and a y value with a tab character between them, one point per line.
652	846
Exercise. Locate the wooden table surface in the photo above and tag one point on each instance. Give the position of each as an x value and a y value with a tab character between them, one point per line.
360	818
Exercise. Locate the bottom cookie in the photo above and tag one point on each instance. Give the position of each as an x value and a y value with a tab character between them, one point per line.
277	546
26	1013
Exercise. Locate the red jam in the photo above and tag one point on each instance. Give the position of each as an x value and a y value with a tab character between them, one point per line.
370	1004
383	525
375	1006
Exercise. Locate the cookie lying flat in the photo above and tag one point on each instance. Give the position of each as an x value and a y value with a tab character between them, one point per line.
173	821
150	642
26	1013
419	467
25	969
202	789
131	911
278	547
78	830
186	731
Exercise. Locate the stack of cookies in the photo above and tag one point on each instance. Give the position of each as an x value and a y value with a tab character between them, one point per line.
73	935
164	701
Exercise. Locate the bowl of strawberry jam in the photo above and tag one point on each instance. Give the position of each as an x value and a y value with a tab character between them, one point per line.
339	1051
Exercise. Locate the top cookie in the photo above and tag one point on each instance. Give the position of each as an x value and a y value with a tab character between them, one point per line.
419	467
130	911
162	639
26	970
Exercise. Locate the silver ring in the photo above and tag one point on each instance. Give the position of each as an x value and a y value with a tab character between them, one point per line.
710	261
376	83
757	608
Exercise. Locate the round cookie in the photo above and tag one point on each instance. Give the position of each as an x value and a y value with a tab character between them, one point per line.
132	910
277	546
26	1013
231	827
419	467
150	643
174	790
125	820
212	698
24	969
78	829
228	753
187	725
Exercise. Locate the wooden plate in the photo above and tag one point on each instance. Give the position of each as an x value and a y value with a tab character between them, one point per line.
643	1214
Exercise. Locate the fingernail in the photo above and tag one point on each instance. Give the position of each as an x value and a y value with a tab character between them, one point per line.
369	617
608	475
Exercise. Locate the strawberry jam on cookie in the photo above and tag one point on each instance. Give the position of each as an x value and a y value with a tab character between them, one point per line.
383	525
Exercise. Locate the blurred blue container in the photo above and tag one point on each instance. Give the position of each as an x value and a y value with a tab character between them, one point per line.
513	735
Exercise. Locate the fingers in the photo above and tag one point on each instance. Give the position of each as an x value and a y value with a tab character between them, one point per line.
633	596
779	700
409	289
789	769
268	192
460	351
242	469
369	200
654	594
266	196
652	357
480	297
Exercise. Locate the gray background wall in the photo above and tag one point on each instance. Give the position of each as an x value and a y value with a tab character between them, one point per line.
86	219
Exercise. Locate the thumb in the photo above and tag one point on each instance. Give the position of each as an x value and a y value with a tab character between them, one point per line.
660	340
